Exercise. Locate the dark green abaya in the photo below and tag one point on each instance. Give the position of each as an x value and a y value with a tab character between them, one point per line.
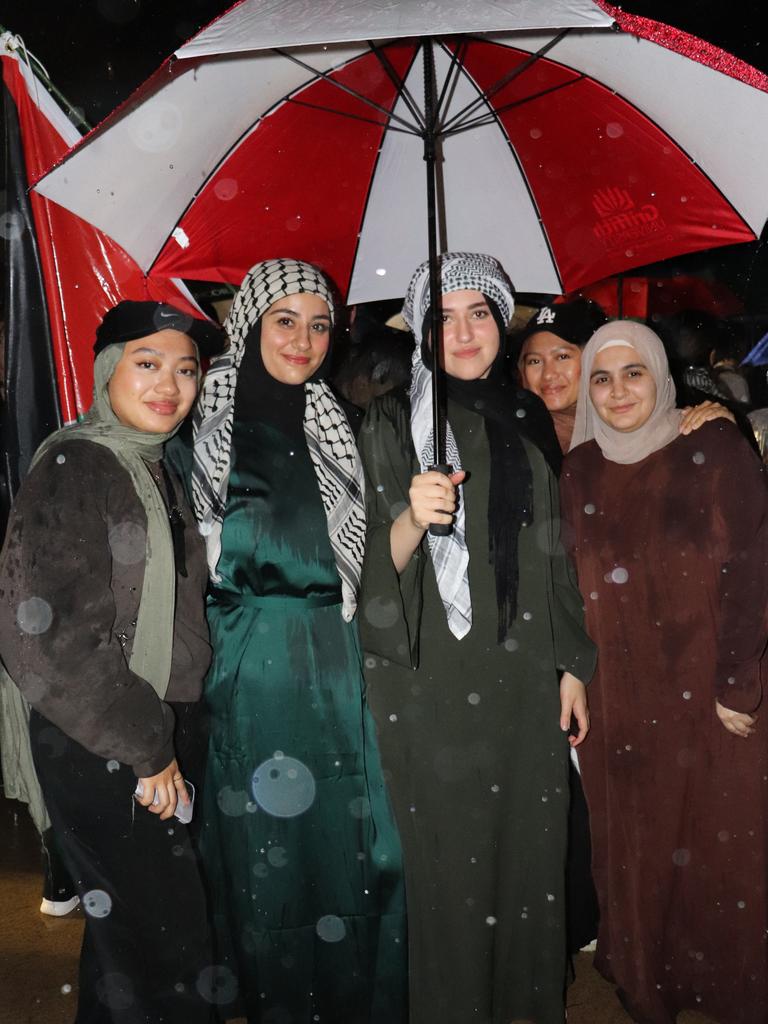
299	844
471	743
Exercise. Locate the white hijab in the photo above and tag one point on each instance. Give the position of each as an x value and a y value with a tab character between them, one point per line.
661	427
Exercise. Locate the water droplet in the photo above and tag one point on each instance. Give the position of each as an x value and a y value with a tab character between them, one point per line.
614	130
473	698
217	984
589	508
550	897
511	645
490	920
232	802
723	836
97	903
66	989
331	928
593	595
225	189
527	616
115	991
359	807
156	127
619	575
34	616
681	858
687	695
520	413
393	718
113	766
535	133
128	543
381	613
61	459
277	857
699	458
381	272
11	225
741	904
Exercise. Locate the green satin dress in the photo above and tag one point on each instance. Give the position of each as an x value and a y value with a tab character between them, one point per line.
298	841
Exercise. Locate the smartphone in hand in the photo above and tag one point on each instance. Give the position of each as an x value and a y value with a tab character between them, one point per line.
183	812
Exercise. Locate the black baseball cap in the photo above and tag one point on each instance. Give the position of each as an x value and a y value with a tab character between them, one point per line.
574	321
129	320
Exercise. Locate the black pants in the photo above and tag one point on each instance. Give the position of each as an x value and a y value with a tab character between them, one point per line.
581	899
145	957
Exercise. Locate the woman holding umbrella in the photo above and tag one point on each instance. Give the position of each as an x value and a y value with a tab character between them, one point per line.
299	844
476	664
102	627
669	534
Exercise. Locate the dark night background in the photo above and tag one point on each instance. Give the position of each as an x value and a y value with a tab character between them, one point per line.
98	51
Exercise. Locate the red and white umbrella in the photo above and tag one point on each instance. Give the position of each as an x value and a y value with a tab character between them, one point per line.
570	145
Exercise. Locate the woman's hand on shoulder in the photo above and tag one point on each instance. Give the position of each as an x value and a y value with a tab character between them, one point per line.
161	792
573	704
433	498
695	416
737	722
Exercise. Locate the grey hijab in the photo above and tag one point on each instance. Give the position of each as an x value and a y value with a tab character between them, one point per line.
661	427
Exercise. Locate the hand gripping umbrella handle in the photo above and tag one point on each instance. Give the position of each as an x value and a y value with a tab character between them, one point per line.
441	529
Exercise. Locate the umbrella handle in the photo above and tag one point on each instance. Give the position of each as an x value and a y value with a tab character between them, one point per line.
441	529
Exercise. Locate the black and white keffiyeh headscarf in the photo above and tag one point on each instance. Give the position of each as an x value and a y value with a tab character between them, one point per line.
459	271
329	438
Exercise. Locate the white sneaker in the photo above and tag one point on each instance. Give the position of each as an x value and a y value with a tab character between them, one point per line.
58	908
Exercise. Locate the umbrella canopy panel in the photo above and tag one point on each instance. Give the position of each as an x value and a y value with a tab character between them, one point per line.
250	24
570	167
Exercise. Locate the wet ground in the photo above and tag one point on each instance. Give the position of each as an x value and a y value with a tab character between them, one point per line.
38	954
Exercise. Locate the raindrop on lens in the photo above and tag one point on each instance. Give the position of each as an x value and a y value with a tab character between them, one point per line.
359	807
276	857
331	928
232	802
283	787
34	616
115	991
156	129
381	612
11	225
97	903
128	543
217	984
225	189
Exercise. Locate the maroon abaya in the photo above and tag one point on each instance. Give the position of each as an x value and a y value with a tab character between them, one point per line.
672	559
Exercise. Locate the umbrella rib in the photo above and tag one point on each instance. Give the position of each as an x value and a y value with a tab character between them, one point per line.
454	70
352	92
353	117
485	96
399	83
491	117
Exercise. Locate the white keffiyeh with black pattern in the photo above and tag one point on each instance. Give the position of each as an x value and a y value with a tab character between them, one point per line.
459	271
330	441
